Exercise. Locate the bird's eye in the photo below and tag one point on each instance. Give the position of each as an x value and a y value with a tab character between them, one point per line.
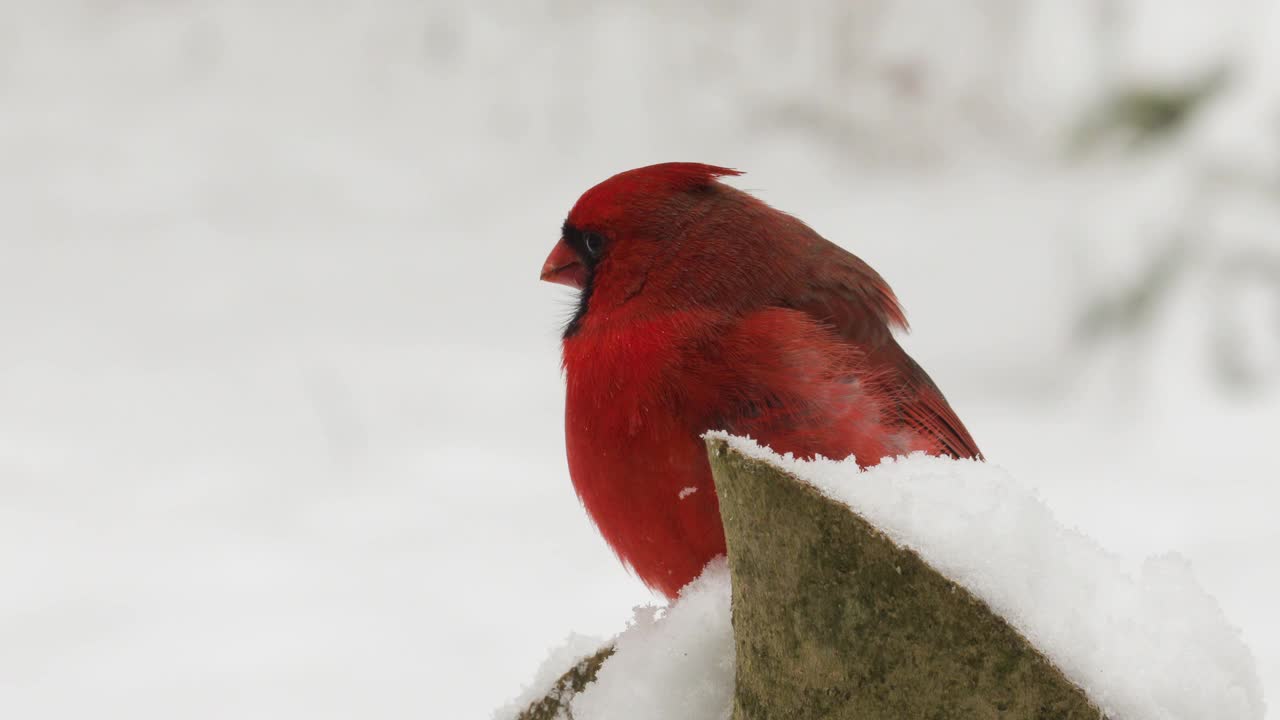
592	243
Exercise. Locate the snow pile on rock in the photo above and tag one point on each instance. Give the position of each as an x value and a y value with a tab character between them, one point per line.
1145	643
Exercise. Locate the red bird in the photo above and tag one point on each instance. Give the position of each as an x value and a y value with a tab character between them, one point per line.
702	308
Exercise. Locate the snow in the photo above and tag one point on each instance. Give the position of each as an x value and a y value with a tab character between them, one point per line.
673	661
686	650
1145	643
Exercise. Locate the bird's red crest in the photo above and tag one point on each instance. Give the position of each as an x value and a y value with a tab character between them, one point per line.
640	188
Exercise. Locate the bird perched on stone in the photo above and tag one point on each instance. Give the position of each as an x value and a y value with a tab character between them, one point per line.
702	308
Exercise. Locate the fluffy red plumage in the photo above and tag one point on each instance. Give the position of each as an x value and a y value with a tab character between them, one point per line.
702	308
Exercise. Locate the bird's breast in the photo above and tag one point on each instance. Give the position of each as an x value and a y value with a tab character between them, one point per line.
635	455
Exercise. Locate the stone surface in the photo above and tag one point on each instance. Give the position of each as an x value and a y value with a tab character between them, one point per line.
832	620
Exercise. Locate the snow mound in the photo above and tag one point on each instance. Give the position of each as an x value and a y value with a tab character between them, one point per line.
672	662
1145	643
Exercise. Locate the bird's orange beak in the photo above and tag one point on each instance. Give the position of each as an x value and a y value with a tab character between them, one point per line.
563	267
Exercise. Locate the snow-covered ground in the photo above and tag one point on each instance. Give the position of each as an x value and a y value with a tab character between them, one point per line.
279	393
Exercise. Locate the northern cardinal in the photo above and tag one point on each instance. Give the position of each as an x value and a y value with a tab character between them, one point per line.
702	308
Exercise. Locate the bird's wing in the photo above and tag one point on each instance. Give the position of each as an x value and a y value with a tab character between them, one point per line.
844	293
920	404
795	384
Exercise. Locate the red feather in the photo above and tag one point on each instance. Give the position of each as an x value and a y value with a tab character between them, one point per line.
706	309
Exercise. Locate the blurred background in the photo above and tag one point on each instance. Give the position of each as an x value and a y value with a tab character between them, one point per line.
280	404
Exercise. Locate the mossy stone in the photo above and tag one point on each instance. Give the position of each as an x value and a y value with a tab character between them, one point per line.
831	619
